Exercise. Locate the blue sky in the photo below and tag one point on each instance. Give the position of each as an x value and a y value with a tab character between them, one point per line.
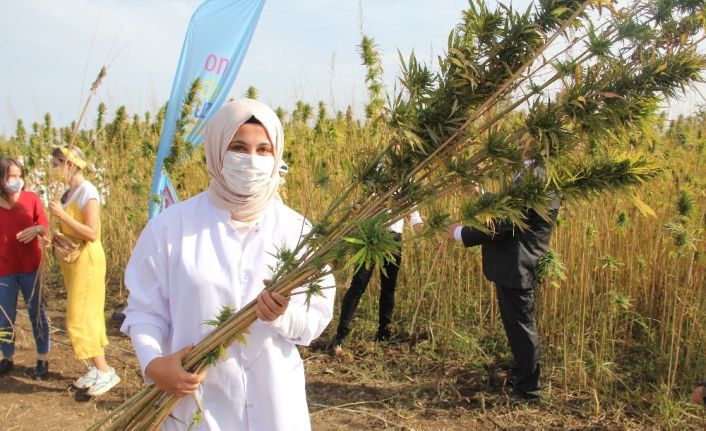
301	50
304	49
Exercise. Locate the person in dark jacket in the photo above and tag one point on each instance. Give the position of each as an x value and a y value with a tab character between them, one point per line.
388	285
510	256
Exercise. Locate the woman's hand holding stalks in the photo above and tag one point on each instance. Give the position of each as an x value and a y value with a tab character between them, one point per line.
57	211
168	374
270	305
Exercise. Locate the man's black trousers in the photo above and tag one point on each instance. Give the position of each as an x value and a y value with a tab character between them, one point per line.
517	313
388	283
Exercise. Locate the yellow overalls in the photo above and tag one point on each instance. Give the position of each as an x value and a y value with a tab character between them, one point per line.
85	286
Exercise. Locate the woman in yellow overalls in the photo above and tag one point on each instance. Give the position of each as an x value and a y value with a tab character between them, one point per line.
84	278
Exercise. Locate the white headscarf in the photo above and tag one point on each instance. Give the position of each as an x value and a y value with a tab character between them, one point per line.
218	134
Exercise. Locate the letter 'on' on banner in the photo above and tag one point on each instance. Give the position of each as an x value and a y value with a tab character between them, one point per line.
214	47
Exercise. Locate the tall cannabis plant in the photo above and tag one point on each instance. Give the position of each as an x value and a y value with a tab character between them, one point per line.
571	84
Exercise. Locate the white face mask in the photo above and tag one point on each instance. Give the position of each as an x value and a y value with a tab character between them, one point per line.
14	186
245	174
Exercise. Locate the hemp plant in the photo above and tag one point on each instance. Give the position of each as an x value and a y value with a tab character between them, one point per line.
572	85
182	149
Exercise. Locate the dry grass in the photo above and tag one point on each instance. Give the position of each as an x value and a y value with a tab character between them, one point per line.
623	334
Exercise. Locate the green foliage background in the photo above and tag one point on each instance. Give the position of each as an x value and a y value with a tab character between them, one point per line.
626	319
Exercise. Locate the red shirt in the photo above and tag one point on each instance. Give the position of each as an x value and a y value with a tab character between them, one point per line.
15	256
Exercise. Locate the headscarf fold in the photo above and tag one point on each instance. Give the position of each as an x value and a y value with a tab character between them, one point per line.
218	134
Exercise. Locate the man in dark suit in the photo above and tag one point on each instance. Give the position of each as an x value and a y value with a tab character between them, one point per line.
510	257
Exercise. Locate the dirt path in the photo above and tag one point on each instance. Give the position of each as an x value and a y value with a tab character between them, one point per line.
374	389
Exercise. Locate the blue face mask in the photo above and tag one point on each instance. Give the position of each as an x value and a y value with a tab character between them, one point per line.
14	186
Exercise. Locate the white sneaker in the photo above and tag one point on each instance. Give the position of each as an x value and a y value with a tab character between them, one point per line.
87	380
105	382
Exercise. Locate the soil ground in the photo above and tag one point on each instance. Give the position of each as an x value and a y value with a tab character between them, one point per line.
370	386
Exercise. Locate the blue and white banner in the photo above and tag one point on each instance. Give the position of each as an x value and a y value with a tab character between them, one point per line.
214	47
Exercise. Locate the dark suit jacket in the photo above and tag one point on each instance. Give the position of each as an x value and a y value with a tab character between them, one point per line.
510	255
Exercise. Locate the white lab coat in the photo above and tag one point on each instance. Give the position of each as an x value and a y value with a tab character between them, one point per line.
187	264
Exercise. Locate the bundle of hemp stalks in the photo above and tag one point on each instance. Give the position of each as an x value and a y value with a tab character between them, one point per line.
510	86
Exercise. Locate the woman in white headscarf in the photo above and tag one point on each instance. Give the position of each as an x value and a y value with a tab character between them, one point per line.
215	250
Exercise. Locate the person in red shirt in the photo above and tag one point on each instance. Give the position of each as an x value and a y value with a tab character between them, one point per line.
22	222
